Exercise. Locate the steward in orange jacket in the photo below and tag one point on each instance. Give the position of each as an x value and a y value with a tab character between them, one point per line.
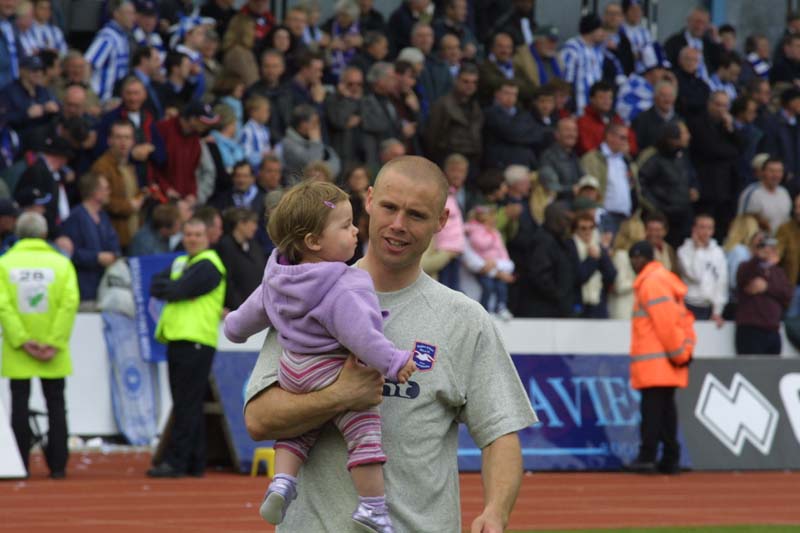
662	342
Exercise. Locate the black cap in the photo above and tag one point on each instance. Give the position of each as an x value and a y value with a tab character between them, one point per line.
31	63
8	208
202	111
29	196
789	94
589	23
56	145
146	7
642	249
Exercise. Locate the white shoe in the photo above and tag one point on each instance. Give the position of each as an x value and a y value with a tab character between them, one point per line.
504	315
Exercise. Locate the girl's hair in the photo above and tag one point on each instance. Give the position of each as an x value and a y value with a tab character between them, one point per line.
254	103
630	232
742	229
241	31
304	209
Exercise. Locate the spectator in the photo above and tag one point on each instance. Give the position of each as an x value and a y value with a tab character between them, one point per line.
519	22
109	52
715	149
788	237
27	105
539	63
764	294
36	334
726	75
145	30
596	272
559	166
617	174
374	49
269	86
497	68
149	152
620	297
435	80
224	148
547	280
296	21
656	231
242	255
125	196
667	182
345	36
356	181
244	193
635	30
510	134
10	48
696	36
693	91
9	212
451	238
255	134
403	19
727	38
154	237
454	22
743	236
761	91
213	221
456	121
45	180
146	65
280	39
451	54
485	240
543	111
391	149
782	136
636	94
757	64
303	143
744	112
76	71
705	271
582	66
787	67
177	90
767	198
407	104
96	243
270	174
370	19
648	124
518	210
617	43
265	20
182	136
304	88
597	116
237	49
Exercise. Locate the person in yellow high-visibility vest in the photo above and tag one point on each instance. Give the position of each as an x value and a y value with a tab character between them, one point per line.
39	299
194	289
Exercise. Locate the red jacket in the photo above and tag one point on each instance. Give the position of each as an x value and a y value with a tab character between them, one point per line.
183	156
662	332
592	131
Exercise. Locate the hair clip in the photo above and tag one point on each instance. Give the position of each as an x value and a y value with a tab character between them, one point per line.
329	204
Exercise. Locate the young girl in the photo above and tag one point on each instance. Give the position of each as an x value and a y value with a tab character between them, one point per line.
322	310
485	240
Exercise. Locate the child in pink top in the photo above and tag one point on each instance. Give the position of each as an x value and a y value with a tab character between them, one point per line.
451	238
486	241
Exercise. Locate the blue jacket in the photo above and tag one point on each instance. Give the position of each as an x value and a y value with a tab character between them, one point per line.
89	239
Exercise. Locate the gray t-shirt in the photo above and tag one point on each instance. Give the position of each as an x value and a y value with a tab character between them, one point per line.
470	379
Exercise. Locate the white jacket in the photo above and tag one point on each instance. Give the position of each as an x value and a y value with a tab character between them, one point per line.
705	272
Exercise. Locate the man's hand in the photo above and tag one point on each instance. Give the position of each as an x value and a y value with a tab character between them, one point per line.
353	121
106	258
488	266
35	111
488	522
718	320
409	129
358	387
136	202
594	251
409	368
42	352
317	93
51	106
142	151
756	286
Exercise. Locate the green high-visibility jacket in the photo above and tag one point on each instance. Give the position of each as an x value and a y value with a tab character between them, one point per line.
39	299
197	319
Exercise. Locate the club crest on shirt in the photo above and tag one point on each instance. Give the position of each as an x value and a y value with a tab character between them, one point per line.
424	356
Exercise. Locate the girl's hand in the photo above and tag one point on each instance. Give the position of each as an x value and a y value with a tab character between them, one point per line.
405	372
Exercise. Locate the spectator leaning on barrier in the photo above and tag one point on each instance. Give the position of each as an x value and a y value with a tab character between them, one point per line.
38	304
662	342
763	295
194	289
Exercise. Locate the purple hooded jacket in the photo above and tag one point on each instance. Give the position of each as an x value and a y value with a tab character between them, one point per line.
318	308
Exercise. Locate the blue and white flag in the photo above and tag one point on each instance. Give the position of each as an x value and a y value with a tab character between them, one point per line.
148	309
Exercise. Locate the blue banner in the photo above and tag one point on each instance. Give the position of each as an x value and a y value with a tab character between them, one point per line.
148	309
589	415
132	381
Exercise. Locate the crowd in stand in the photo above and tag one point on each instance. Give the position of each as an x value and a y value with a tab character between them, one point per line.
561	152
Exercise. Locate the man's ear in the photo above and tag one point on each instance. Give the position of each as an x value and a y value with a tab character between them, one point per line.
440	224
312	242
368	202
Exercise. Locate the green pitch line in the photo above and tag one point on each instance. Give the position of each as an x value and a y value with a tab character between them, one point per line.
687	529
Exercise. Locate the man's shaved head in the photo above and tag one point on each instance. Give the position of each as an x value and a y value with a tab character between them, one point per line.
418	169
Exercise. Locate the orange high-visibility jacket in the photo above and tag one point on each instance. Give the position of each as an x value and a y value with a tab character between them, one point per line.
662	333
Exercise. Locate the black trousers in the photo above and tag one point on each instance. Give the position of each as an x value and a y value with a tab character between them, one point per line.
659	425
55	452
189	365
751	340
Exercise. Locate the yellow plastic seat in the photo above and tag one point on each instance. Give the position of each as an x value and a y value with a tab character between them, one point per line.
267	455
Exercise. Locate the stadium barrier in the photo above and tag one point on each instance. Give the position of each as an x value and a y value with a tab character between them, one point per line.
738	413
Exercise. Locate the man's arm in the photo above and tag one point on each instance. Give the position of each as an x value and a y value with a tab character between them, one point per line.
278	414
501	471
